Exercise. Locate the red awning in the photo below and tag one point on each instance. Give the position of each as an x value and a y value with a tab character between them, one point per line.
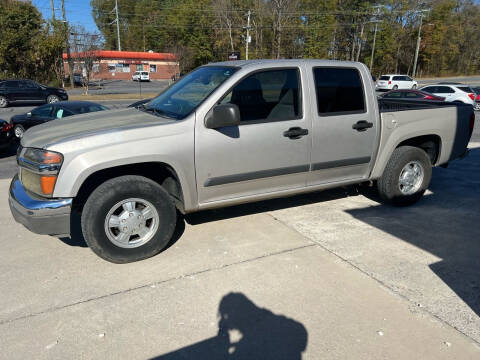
123	55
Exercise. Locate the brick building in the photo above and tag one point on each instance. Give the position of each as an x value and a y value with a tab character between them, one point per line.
121	65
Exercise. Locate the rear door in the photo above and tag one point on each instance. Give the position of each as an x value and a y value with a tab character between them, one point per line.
344	125
262	154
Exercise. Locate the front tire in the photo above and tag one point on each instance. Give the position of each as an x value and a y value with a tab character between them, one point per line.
414	86
128	218
395	87
406	176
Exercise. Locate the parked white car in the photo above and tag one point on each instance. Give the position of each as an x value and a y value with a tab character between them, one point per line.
141	76
452	93
394	82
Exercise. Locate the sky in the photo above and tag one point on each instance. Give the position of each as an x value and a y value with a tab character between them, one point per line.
78	12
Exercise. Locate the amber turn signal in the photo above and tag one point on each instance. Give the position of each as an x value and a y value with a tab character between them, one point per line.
50	157
48	184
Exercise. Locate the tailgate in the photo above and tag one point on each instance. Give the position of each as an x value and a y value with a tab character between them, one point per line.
464	129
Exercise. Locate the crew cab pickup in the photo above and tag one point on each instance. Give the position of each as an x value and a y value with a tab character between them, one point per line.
228	133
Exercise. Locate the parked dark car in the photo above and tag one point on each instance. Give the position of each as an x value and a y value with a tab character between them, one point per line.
6	134
411	95
16	91
50	112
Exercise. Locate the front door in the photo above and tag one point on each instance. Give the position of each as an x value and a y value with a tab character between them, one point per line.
268	152
344	127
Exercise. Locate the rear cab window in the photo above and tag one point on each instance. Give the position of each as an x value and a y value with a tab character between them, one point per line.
339	91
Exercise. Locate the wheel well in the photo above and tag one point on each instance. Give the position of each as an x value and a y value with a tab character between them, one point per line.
429	143
161	173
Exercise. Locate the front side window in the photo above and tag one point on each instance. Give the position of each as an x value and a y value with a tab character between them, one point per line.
271	95
398	78
184	96
339	90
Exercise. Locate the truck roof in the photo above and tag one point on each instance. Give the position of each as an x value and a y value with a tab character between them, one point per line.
286	62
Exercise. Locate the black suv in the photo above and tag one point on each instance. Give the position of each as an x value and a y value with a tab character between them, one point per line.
15	91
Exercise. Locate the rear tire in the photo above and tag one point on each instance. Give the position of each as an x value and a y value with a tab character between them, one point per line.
52	99
395	87
18	130
107	221
3	102
406	176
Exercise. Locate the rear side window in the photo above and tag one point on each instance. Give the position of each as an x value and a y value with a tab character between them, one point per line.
384	77
339	90
412	95
12	84
393	95
465	89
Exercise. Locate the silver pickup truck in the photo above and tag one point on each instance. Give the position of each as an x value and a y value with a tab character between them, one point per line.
228	133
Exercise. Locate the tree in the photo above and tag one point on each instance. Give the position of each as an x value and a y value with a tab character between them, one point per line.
29	47
86	46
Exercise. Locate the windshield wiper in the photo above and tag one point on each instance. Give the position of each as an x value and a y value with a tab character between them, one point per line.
156	112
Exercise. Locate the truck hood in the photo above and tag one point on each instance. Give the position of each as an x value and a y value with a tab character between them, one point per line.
84	125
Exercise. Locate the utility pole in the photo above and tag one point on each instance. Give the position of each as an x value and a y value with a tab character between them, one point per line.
118	25
373	46
418	44
248	35
67	43
53	10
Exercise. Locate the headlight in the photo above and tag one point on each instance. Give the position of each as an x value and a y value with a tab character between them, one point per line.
39	169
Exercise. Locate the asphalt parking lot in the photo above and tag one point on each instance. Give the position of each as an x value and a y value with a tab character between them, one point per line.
336	273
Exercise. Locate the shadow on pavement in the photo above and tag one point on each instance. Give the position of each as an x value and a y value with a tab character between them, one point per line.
9	150
76	237
444	224
247	332
272	205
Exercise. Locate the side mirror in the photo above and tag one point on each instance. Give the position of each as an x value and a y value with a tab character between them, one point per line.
223	115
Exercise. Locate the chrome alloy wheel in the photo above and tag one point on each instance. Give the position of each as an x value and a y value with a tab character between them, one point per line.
131	223
411	178
18	132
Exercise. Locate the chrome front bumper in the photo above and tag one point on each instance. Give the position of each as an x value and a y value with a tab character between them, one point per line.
39	215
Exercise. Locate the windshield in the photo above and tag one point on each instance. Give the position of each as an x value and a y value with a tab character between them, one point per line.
183	97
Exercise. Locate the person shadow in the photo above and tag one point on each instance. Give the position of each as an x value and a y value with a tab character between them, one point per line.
247	332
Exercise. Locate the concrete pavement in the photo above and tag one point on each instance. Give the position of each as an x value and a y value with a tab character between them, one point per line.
333	271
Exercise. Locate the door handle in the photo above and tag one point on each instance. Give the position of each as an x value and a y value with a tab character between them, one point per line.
362	125
295	133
